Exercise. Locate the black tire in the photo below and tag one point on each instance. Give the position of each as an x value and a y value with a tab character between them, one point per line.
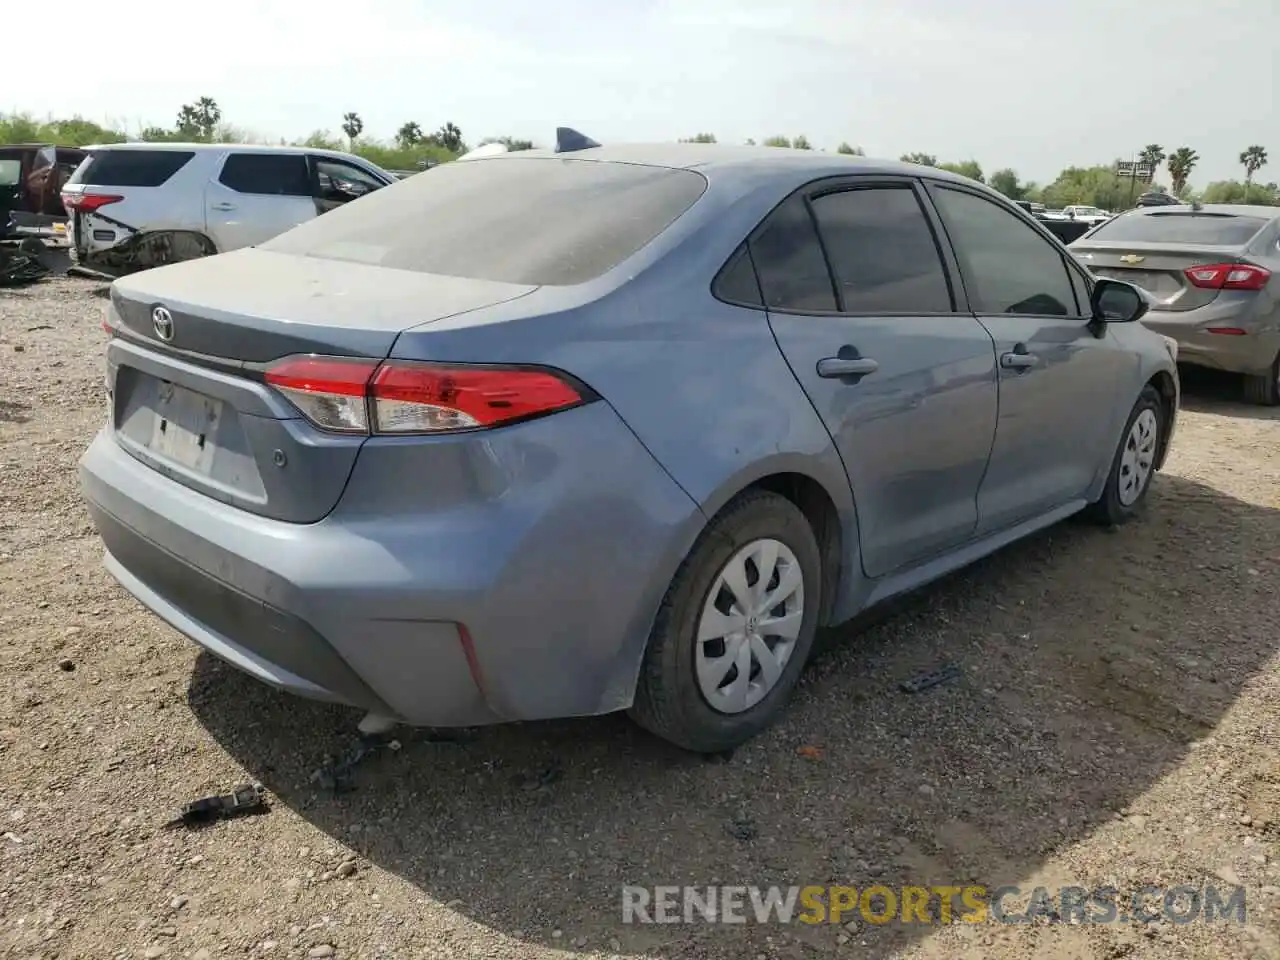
1108	509
668	700
1264	388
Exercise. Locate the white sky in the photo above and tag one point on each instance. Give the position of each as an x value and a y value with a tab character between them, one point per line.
1033	86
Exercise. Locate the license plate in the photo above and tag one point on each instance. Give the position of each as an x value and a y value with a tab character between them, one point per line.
185	427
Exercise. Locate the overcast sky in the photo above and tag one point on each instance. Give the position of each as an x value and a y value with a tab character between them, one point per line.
1033	86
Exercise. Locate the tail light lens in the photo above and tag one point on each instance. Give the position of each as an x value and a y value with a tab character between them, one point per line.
87	202
401	397
1227	276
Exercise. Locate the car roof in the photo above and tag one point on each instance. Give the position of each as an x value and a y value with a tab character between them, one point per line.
1236	209
721	160
208	147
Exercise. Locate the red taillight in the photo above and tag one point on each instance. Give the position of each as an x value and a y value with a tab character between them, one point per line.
1228	331
1227	276
403	397
330	392
87	202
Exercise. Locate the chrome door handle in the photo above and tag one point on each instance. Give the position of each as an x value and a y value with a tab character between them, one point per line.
223	206
835	367
1018	361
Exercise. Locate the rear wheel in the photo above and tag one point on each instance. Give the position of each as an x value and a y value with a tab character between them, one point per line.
1264	388
1134	463
734	629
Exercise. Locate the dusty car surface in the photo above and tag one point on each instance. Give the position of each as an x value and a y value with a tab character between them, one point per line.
31	180
1211	270
619	431
140	205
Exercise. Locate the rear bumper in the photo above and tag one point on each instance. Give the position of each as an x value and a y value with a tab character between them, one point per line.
555	579
1251	353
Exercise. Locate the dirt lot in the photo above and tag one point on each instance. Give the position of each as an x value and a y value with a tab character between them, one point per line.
1115	724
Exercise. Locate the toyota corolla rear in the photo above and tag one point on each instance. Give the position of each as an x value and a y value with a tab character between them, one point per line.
352	463
1209	271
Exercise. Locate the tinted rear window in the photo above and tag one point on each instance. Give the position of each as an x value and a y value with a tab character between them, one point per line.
272	174
1217	229
527	220
131	168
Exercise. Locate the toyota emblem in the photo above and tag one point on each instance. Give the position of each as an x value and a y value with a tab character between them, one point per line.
162	322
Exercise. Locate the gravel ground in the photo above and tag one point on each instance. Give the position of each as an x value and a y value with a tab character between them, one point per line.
1115	724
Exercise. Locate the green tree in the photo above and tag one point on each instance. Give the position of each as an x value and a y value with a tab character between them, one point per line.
1233	191
801	143
1006	181
409	135
700	138
1098	186
198	121
352	126
1181	162
924	159
850	150
1253	159
449	137
966	168
777	141
511	143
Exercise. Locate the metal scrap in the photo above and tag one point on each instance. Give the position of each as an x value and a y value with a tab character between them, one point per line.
19	268
930	678
248	798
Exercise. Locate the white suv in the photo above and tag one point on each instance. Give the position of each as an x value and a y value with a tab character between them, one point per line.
139	205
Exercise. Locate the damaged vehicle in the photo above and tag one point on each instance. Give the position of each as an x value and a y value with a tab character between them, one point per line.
31	180
139	205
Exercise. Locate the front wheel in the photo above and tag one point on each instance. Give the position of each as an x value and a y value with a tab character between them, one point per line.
1134	463
735	628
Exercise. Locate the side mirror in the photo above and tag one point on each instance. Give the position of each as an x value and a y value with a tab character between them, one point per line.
1115	301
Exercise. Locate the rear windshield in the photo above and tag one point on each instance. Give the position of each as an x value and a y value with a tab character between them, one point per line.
10	172
1216	229
131	168
519	220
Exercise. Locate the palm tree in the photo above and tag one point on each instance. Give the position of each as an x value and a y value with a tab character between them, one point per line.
1254	159
352	126
1152	154
1181	162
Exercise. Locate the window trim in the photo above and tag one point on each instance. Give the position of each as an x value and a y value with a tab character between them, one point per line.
311	179
843	183
1001	203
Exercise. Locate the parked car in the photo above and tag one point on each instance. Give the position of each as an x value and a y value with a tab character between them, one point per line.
1210	270
1157	199
558	434
31	179
1086	214
140	205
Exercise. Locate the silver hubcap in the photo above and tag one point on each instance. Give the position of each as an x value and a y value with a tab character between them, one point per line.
749	626
1138	456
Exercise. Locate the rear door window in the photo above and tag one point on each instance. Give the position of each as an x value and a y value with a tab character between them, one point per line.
528	220
790	263
882	251
1213	229
131	168
270	174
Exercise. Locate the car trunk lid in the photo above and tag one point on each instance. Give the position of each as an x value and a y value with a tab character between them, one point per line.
1158	268
192	342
